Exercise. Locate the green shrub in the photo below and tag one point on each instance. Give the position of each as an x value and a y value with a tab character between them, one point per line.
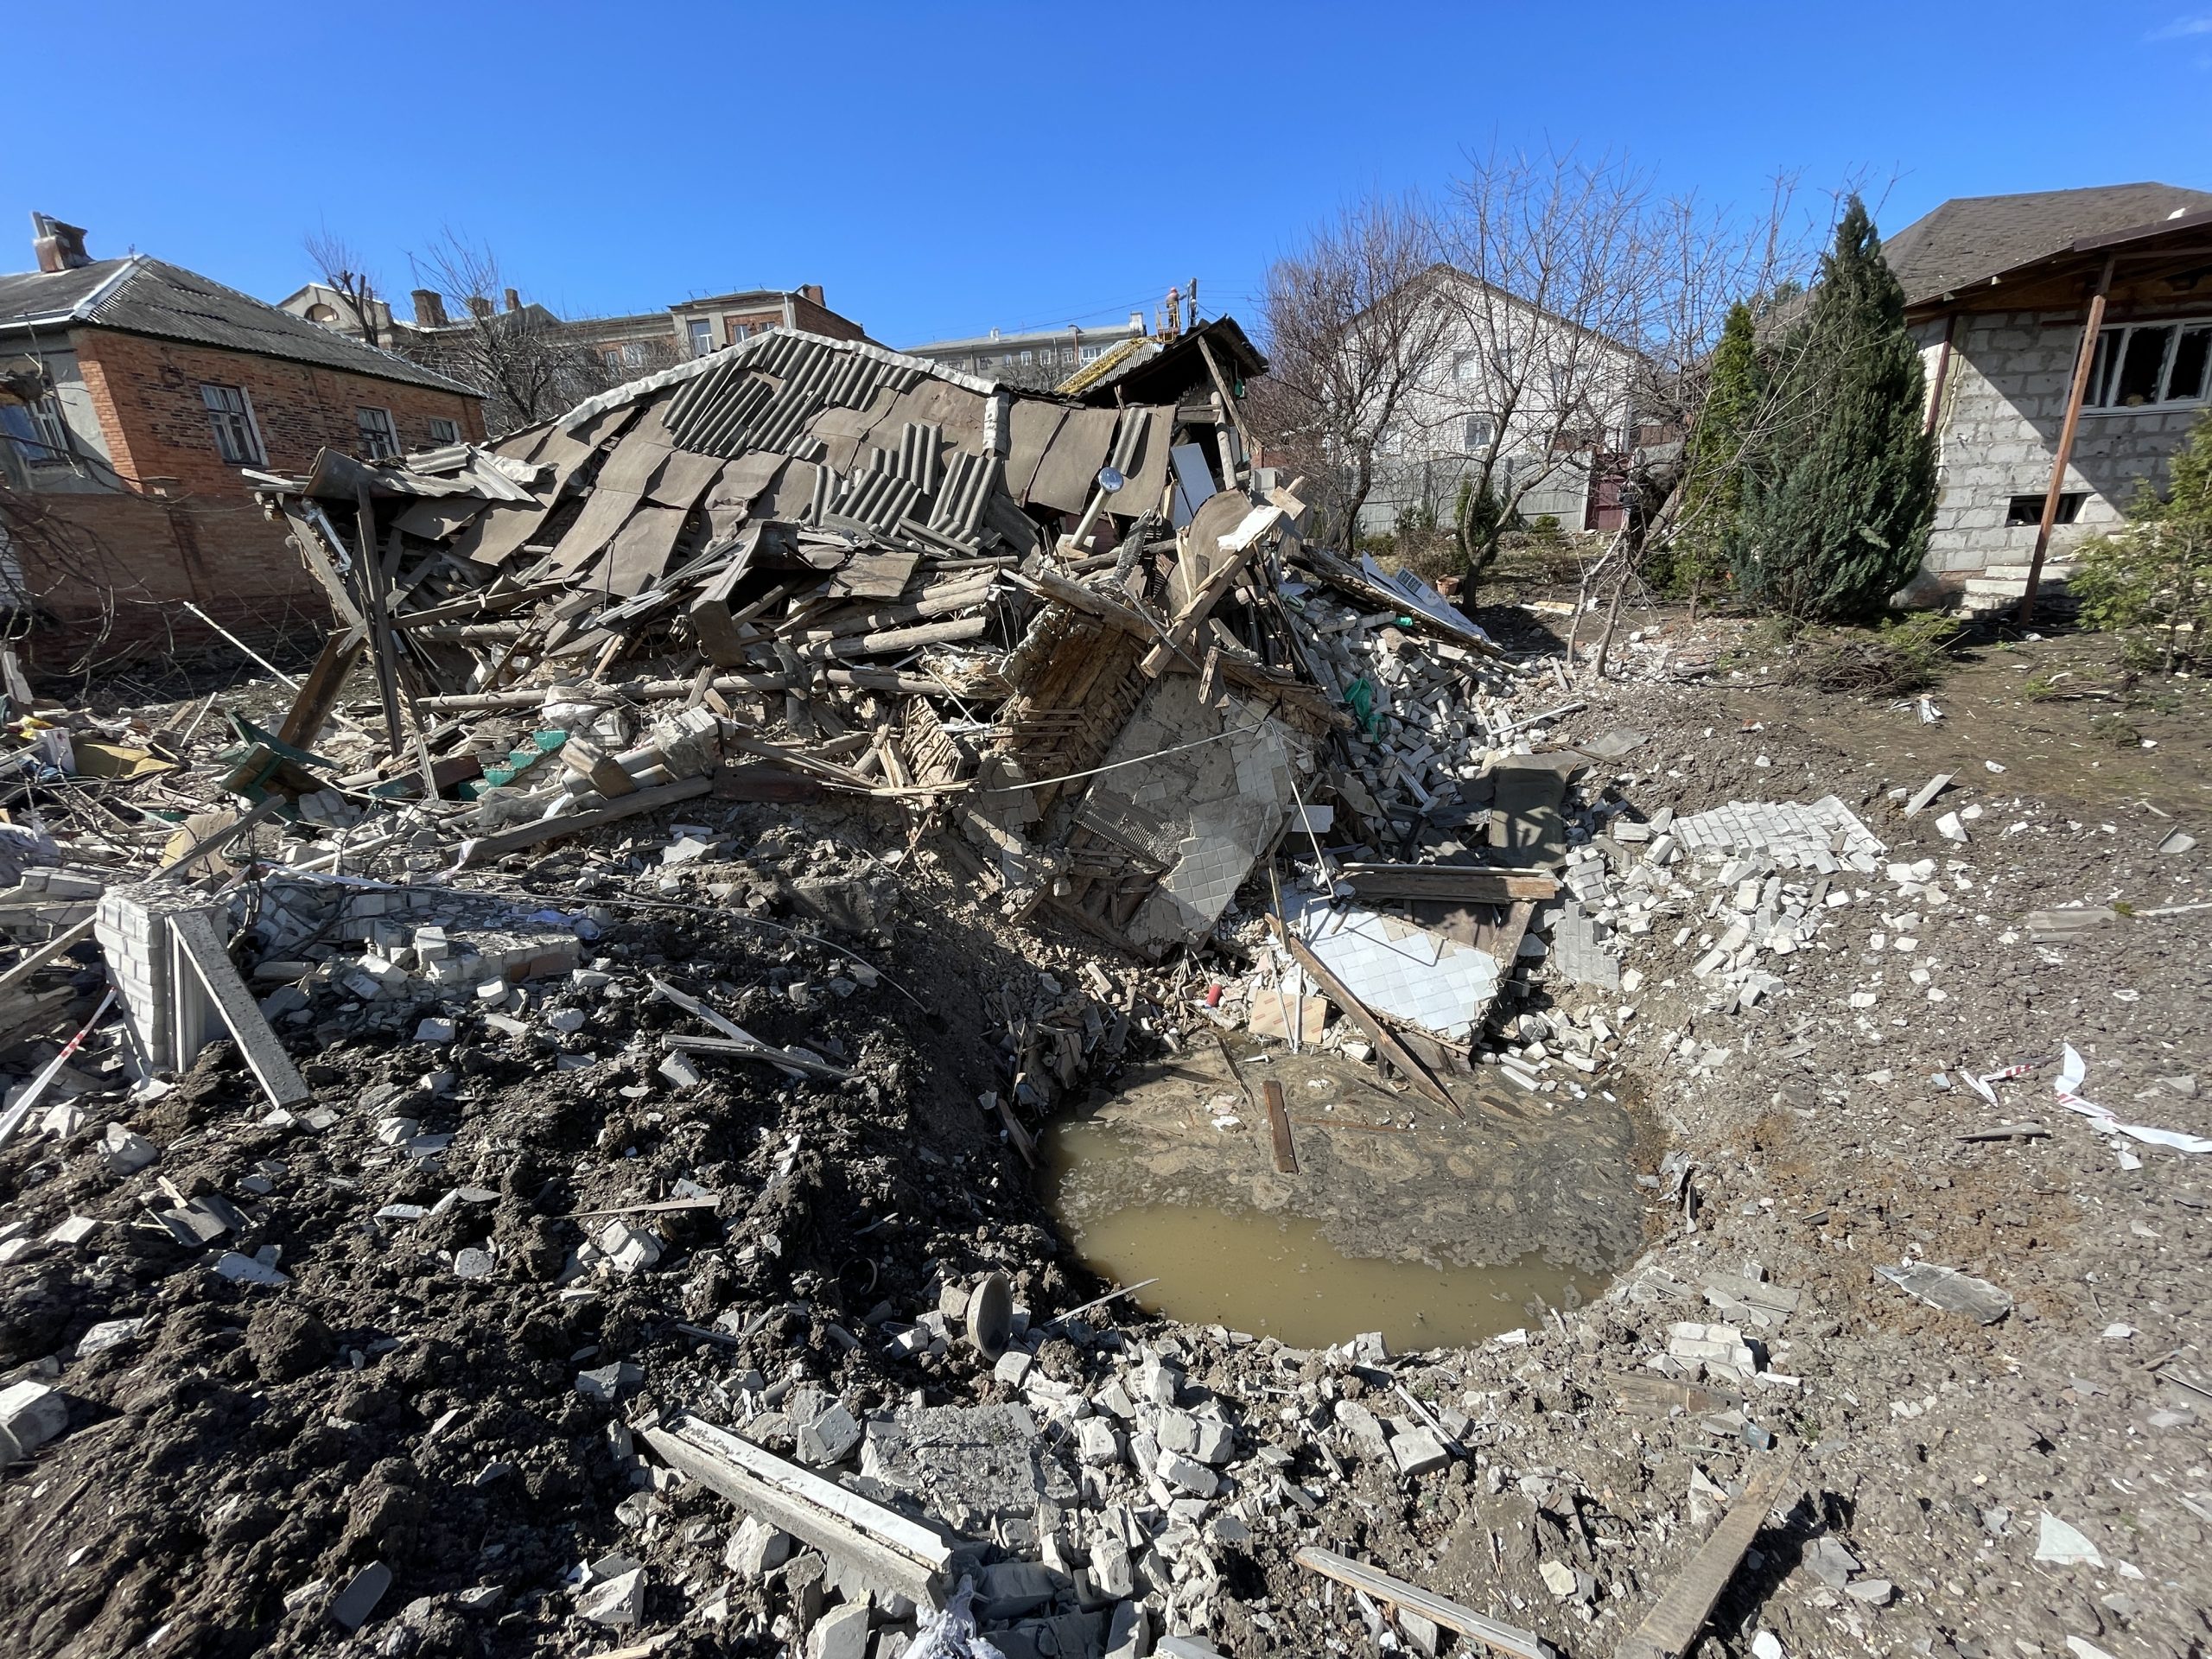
2155	572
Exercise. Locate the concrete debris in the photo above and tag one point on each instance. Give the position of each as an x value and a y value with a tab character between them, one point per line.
588	1044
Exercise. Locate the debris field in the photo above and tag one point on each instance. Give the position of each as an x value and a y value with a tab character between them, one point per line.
523	1138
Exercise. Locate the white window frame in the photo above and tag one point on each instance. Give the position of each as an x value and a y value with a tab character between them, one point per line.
2112	355
452	433
700	332
257	452
389	433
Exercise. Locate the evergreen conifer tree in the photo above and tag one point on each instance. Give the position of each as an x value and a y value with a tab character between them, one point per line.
1714	459
1838	503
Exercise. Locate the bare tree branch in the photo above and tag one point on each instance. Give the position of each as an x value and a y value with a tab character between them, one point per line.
342	268
522	357
1354	328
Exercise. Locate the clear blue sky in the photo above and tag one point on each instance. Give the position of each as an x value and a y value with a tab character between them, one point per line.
944	169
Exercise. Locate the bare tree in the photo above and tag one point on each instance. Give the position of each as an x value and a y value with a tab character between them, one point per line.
1355	328
343	269
523	357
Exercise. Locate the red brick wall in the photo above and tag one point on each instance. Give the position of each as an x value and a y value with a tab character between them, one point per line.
205	538
819	320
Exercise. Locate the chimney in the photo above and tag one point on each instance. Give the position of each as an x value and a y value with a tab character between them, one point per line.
813	291
58	246
514	301
478	306
429	307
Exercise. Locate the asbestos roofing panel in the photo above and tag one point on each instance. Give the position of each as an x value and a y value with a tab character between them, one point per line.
1144	478
641	549
843	432
932	403
1069	471
1033	425
638	457
605	514
435	521
875	575
683	476
793	494
741	483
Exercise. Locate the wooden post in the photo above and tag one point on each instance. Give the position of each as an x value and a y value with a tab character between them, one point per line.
371	575
2091	327
1942	376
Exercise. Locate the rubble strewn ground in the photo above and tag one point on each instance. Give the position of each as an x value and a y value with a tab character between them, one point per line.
720	1114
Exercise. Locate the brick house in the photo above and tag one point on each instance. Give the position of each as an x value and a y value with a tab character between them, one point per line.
2066	336
635	345
139	395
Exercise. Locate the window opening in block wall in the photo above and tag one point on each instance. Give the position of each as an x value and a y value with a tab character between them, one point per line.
2141	365
2027	509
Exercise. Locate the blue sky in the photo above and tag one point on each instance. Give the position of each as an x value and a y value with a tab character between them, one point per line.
944	169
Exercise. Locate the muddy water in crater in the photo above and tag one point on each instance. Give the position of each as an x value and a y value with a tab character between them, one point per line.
1434	1230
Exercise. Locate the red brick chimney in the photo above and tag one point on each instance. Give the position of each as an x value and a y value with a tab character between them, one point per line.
514	301
429	307
478	306
58	246
813	291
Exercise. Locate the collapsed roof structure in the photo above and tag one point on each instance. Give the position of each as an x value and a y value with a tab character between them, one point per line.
1067	627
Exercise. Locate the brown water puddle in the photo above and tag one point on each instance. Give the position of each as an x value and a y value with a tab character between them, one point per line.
1435	1230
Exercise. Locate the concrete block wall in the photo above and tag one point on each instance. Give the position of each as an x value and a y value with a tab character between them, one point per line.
2003	402
132	927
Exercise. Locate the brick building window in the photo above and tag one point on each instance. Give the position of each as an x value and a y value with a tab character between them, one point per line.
230	412
378	437
443	430
703	336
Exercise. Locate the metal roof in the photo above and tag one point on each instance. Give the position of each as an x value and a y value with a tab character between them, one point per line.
144	295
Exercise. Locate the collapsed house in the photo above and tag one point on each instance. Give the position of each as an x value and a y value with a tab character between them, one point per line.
1084	635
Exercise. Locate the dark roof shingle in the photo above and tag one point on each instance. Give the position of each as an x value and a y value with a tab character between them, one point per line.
1971	238
144	295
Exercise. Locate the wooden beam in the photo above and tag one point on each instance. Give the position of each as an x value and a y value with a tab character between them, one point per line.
1360	1015
1394	1593
1183	629
1671	1626
1279	1127
2084	360
483	848
886	1547
1466	884
318	696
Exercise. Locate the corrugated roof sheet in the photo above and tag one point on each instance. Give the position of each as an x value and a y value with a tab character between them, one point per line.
144	295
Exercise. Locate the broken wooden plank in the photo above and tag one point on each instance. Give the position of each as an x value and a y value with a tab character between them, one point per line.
1360	1015
1437	1610
886	1547
765	783
318	696
1465	884
1185	628
1672	1625
750	1048
604	772
196	943
482	848
37	955
1279	1127
2028	1131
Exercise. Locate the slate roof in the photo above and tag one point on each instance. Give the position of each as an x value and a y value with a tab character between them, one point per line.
144	295
1971	238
